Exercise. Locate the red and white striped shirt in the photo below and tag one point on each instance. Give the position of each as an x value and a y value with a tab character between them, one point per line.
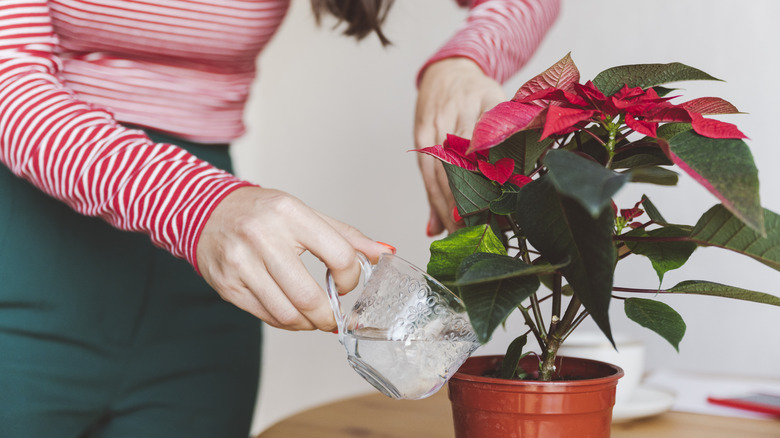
71	69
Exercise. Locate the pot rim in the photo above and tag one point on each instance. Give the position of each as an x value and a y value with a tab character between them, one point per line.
616	374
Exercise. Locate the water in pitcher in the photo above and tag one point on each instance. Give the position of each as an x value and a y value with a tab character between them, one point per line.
410	369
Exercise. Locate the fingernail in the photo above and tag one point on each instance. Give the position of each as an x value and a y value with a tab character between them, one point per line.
428	231
390	247
335	332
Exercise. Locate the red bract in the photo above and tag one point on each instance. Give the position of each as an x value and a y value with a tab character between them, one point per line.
499	123
499	172
714	128
455	215
552	95
564	75
453	151
563	109
641	126
562	120
632	213
507	118
589	92
635	101
520	180
709	105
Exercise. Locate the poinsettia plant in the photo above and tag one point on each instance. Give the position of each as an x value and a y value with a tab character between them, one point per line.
534	187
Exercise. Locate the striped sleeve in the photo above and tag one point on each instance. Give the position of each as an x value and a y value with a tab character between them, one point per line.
77	153
500	35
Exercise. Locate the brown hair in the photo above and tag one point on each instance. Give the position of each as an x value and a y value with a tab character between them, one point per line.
361	16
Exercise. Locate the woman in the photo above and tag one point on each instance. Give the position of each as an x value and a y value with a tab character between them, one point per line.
115	116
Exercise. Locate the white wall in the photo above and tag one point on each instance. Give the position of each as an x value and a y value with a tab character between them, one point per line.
330	121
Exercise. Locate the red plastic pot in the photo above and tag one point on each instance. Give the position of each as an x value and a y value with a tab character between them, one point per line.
486	407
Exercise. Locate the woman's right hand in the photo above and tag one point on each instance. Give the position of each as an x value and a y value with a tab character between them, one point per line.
249	252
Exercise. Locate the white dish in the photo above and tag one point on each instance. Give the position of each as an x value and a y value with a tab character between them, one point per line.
645	401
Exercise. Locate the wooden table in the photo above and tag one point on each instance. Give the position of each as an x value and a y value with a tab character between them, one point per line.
376	416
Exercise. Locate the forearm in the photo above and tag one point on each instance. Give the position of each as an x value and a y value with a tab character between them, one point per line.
81	156
500	35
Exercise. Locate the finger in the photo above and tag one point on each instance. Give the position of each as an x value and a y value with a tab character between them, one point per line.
244	299
424	138
369	247
227	283
445	121
446	201
424	131
338	255
436	196
263	286
424	134
306	296
492	98
467	119
435	225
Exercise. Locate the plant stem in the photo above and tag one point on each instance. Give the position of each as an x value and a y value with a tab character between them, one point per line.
612	128
554	339
640	291
638	144
549	353
531	325
537	311
556	304
581	317
594	136
624	238
571	313
521	243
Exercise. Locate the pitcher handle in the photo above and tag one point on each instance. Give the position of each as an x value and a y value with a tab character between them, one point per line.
333	294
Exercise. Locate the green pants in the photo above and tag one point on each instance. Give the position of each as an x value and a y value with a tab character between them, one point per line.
102	335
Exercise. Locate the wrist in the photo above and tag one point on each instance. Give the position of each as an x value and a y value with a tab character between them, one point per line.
460	64
215	203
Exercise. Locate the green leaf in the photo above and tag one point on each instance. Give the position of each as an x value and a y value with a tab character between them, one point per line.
650	155
658	317
719	227
669	130
586	143
506	203
653	175
448	253
664	255
472	191
725	167
486	267
663	91
652	211
610	81
560	229
695	287
587	182
524	147
488	303
477	218
512	357
495	226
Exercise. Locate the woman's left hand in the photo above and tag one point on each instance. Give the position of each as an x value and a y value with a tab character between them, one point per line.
453	93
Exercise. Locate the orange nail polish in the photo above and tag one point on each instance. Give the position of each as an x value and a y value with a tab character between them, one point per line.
390	247
428	230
